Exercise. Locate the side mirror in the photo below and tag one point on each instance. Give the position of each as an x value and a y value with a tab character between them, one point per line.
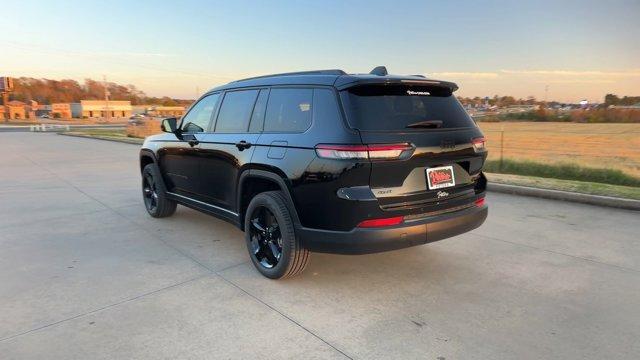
169	125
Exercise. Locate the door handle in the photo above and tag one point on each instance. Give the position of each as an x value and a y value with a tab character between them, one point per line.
241	145
193	142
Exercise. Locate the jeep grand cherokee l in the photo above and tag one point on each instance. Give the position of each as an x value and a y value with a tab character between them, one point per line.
323	161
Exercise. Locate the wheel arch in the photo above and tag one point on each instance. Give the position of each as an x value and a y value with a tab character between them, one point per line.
146	157
255	181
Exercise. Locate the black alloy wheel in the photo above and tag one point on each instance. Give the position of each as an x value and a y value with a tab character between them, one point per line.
154	194
150	192
269	231
266	238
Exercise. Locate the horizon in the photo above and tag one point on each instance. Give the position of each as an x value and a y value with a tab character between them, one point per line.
580	50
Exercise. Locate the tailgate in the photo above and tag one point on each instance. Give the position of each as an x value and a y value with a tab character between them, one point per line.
431	120
403	183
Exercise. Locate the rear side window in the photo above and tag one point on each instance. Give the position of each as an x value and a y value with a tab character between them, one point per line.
288	110
235	111
402	107
257	118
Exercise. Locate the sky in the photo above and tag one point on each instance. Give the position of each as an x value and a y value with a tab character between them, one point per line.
577	49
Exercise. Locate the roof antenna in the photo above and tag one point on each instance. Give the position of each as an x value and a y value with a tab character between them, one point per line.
380	71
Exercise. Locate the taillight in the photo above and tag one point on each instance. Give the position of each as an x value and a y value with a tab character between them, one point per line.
479	143
342	151
374	223
479	202
371	151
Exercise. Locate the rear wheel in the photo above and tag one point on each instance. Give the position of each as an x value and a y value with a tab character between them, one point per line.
270	237
154	193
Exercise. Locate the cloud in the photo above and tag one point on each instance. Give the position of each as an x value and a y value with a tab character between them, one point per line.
132	54
576	81
573	73
594	75
466	75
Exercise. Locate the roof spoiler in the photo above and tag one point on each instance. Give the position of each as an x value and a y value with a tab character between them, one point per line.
418	81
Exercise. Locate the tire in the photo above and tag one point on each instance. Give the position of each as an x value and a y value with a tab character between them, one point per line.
293	257
154	194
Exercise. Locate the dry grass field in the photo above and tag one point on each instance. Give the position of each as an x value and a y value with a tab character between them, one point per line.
612	146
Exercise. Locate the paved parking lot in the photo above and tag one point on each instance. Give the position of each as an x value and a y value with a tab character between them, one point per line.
86	274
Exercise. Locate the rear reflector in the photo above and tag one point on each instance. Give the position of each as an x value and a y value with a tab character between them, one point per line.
373	223
371	151
479	202
479	143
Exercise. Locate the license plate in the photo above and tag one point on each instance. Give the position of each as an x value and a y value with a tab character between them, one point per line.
440	177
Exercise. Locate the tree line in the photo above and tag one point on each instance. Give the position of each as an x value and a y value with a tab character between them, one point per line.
47	91
612	99
499	101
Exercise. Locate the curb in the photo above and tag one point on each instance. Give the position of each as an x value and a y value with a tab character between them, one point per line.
125	141
620	203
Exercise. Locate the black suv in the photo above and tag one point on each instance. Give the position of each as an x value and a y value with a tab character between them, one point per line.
323	161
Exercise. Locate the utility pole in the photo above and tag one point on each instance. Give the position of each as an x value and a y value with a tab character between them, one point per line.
106	97
546	90
5	87
5	101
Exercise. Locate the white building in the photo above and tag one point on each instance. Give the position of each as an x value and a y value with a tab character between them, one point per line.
101	108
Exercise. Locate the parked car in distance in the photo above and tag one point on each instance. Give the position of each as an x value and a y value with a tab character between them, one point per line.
323	161
137	119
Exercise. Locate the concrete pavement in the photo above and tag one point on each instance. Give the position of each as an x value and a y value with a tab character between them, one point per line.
85	273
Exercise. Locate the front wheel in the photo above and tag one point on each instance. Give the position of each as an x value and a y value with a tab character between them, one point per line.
271	239
154	193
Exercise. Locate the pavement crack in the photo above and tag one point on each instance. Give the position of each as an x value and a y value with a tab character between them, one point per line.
284	316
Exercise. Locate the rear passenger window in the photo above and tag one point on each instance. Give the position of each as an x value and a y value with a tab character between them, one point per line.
257	119
289	110
325	107
235	111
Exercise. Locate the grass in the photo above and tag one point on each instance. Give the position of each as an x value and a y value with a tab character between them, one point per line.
102	132
105	134
562	171
583	187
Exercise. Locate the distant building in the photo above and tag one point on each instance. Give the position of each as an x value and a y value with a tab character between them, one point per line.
159	110
166	111
101	108
139	109
42	110
17	110
524	107
626	107
61	110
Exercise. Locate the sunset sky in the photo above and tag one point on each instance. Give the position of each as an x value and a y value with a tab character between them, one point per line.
580	49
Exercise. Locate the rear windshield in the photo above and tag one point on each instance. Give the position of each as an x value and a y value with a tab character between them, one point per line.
403	107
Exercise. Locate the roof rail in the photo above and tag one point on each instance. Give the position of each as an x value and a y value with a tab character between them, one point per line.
313	72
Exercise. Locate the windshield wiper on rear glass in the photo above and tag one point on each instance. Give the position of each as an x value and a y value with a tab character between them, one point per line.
429	124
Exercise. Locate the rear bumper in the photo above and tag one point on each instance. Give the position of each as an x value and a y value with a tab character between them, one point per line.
369	240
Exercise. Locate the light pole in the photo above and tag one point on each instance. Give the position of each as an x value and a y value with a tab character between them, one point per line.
106	98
